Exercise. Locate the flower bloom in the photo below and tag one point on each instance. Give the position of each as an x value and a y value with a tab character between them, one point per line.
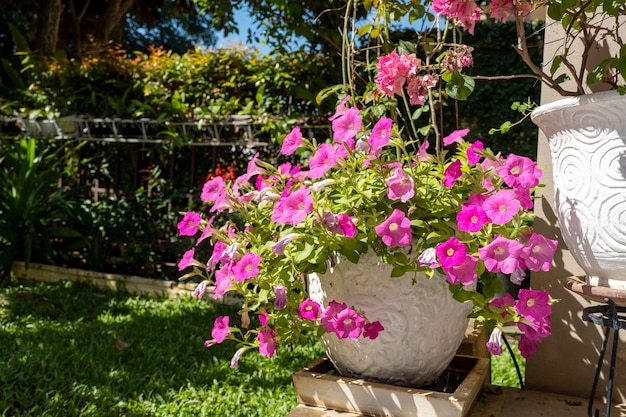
396	230
346	127
417	88
330	312
342	320
309	309
520	171
213	190
393	70
279	247
292	141
453	171
464	273
293	208
267	342
324	159
400	186
451	252
471	218
200	290
220	329
458	58
187	259
455	137
501	255
371	330
280	292
235	359
472	156
494	345
188	226
247	267
533	304
223	279
341	109
380	135
428	258
501	207
539	252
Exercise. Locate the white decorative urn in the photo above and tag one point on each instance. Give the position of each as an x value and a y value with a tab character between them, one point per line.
424	325
587	137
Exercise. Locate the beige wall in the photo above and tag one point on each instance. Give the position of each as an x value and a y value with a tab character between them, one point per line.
566	361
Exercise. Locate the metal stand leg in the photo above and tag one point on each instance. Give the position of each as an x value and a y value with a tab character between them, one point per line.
608	317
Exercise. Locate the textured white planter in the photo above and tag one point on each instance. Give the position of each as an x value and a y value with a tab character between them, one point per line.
587	136
424	325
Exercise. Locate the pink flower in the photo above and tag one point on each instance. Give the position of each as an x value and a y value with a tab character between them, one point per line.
324	159
501	207
223	280
346	127
380	135
428	258
527	346
213	190
501	255
422	153
292	141
200	289
293	208
539	252
206	231
280	294
234	362
263	318
494	345
220	329
267	342
455	137
451	252
341	109
533	304
465	273
396	230
400	186
187	259
472	156
188	226
309	310
418	87
348	228
392	73
255	168
452	173
279	247
347	323
371	330
330	313
520	171
218	251
471	218
247	267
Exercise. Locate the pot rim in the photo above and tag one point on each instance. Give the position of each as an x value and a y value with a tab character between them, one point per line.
567	102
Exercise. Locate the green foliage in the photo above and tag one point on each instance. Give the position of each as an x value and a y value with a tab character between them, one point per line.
69	349
33	208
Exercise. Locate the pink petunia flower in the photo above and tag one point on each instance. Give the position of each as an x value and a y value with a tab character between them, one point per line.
223	280
293	208
324	159
279	247
218	250
371	330
422	153
348	324
309	310
539	253
207	231
465	273
280	294
494	344
471	218
527	346
188	226
501	207
247	267
520	171
428	258
328	316
452	172
400	186
341	109
200	289
451	252
292	141
501	255
267	342
234	362
220	329
213	190
187	259
396	230
472	156
533	304
455	137
264	318
346	127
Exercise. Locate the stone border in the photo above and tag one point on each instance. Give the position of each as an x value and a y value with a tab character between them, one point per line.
132	284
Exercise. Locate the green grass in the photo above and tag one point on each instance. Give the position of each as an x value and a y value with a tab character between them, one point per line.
70	350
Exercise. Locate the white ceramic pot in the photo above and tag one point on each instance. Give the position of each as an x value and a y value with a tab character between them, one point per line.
587	136
424	325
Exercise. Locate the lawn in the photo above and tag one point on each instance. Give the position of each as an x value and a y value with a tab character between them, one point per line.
70	350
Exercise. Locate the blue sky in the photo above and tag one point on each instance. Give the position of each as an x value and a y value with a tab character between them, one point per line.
244	22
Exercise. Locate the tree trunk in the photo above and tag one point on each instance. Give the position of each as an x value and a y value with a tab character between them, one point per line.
114	13
48	27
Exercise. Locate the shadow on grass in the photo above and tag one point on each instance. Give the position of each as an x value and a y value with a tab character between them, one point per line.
68	349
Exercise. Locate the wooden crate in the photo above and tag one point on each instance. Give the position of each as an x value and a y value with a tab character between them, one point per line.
317	385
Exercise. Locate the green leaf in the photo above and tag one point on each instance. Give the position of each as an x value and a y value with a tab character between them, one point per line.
460	86
556	63
399	271
555	12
